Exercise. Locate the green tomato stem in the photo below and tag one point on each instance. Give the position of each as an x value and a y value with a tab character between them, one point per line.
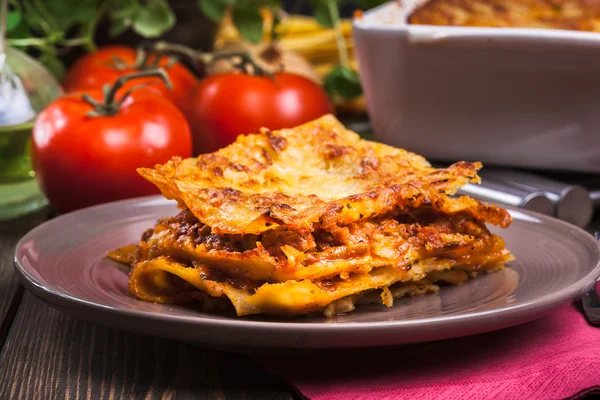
204	59
178	50
110	106
109	100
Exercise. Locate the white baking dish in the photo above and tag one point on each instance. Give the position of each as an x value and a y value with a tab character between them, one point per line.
503	96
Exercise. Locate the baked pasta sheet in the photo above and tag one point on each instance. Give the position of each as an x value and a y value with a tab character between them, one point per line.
311	219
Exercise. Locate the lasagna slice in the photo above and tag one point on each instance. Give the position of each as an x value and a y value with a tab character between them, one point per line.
312	219
579	15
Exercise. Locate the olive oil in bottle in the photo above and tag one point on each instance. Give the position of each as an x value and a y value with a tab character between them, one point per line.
26	87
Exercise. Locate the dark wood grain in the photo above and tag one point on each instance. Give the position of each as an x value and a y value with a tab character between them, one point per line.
57	356
10	290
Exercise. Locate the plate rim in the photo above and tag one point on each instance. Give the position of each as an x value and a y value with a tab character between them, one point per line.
55	297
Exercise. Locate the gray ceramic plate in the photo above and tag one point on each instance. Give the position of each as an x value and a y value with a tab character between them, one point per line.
63	262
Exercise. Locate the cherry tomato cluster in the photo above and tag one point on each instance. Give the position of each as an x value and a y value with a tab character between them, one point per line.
122	111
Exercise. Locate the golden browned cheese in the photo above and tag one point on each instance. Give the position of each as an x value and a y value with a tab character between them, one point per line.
311	219
316	172
581	15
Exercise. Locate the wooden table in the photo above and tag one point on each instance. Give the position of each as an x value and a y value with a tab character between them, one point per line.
45	353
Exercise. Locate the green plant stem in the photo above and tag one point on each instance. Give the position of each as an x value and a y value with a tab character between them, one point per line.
44	42
3	22
339	35
47	41
38	42
205	59
90	46
110	106
43	17
75	42
159	73
179	50
86	38
91	30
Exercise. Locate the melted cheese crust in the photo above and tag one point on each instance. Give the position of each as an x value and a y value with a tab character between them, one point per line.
317	172
580	15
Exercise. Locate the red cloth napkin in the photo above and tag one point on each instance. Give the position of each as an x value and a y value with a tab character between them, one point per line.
554	357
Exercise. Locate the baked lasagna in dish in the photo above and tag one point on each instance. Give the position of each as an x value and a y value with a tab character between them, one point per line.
311	219
581	15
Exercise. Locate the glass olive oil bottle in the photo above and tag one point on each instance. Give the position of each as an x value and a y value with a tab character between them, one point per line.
26	87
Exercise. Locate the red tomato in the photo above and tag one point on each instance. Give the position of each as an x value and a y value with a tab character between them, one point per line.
223	106
94	70
82	161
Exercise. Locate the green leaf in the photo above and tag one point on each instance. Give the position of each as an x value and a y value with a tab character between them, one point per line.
214	9
125	9
13	19
122	16
53	64
343	82
64	14
155	18
21	31
85	11
118	26
249	22
321	12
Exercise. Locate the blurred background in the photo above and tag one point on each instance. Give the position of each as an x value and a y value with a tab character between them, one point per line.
58	32
50	48
42	40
